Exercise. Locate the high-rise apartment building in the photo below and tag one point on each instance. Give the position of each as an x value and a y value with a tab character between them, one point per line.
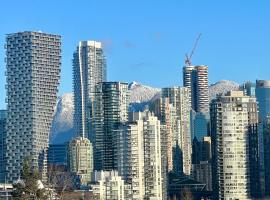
3	147
179	98
80	159
235	135
110	111
131	163
144	170
167	116
196	79
33	62
89	68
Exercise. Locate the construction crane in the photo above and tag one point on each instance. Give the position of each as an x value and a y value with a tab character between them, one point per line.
188	57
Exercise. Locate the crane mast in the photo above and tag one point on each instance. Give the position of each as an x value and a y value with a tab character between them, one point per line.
188	57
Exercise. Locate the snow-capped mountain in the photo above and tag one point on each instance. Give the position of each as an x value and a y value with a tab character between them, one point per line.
62	125
141	95
222	87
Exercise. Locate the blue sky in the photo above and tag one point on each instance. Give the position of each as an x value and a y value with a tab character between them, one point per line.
146	40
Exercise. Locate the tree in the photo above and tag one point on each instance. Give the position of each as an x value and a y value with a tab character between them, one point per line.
29	187
59	180
186	194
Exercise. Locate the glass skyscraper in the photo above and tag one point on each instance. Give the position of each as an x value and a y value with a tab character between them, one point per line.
110	111
263	98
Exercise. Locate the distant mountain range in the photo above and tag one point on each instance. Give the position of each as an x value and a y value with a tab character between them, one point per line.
62	126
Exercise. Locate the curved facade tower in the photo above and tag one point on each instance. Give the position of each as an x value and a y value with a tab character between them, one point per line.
89	68
33	62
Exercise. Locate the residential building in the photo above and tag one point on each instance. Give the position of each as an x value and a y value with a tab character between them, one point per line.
108	185
235	139
80	159
110	111
166	114
196	79
89	68
33	62
182	149
131	157
6	191
3	147
146	131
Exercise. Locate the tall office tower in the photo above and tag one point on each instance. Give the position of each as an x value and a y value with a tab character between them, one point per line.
57	154
179	98
200	124
236	145
201	130
3	117
110	110
196	79
263	98
89	68
201	162
145	131
33	62
249	88
80	159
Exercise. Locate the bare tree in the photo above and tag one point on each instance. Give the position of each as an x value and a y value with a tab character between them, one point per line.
186	194
59	180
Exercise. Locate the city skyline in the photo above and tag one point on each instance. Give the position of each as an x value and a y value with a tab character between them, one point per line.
231	38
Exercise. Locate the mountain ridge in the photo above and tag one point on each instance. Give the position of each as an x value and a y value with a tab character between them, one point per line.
141	95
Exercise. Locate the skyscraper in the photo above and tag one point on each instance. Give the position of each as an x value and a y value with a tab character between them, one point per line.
3	117
33	70
263	97
89	68
235	136
131	165
179	98
167	116
196	79
57	154
80	159
249	88
110	111
144	170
